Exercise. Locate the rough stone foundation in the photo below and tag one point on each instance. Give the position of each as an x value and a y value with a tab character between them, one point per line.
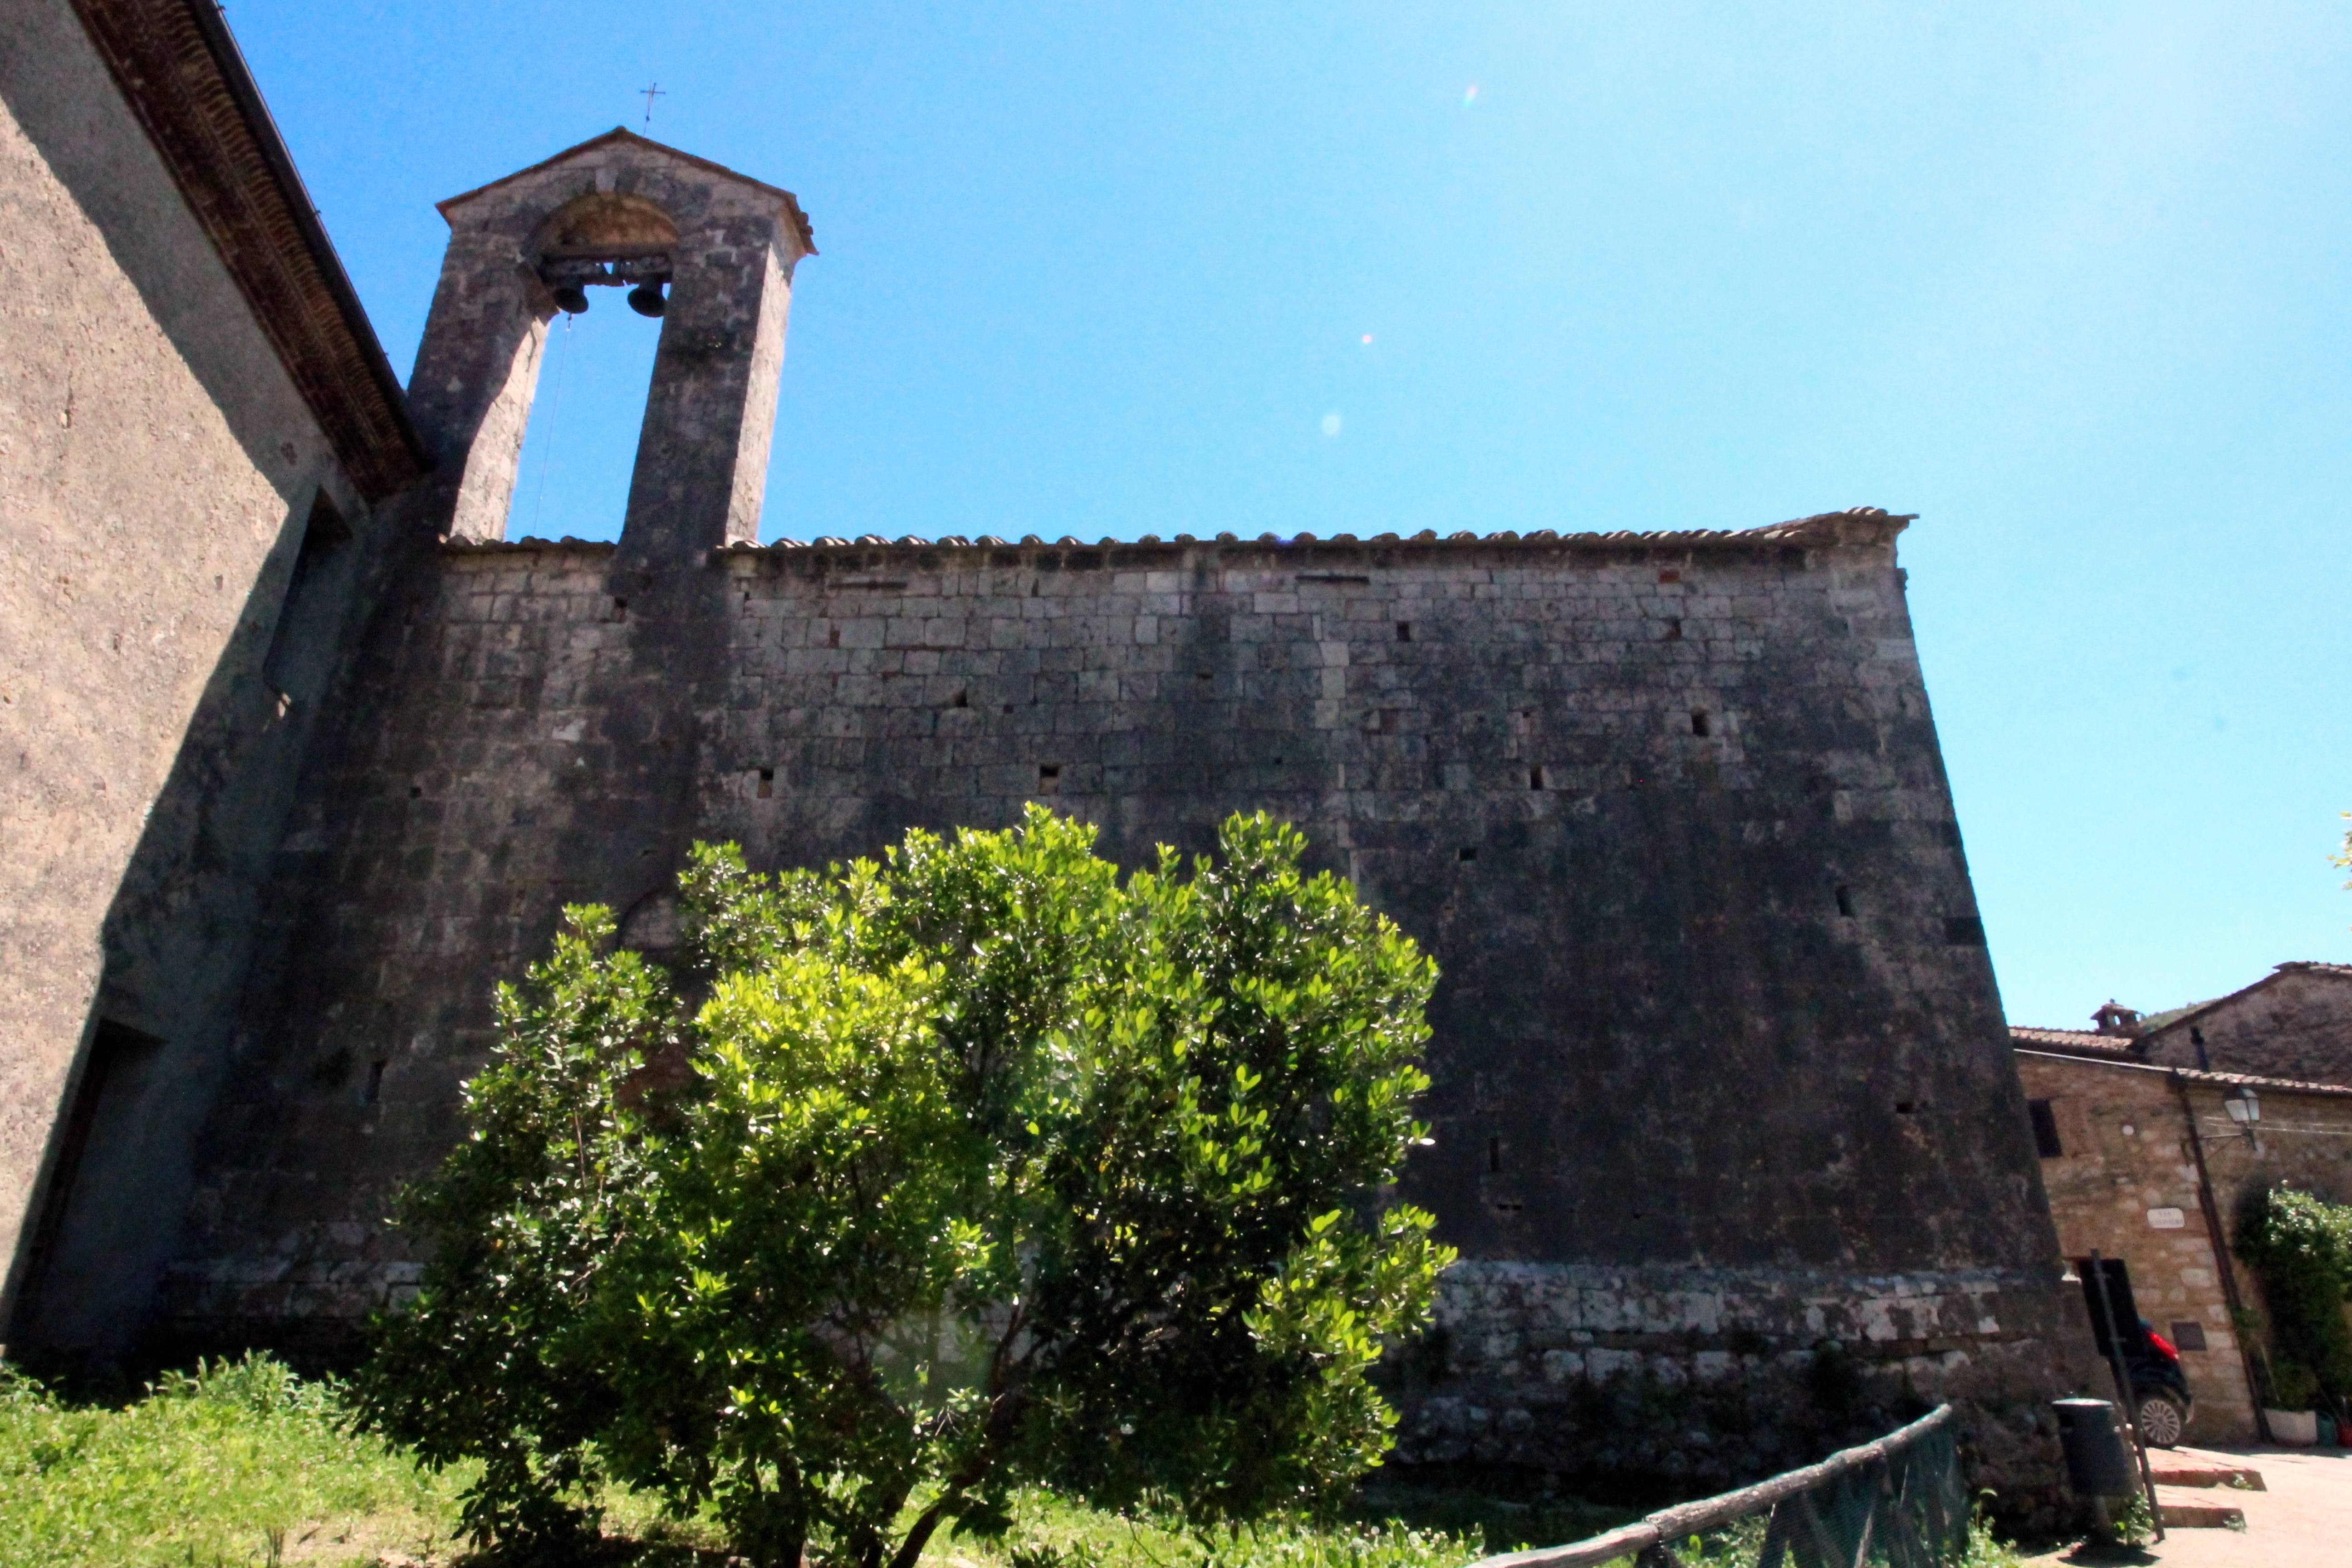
1699	1380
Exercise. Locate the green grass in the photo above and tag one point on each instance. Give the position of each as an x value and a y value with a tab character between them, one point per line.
244	1463
234	1465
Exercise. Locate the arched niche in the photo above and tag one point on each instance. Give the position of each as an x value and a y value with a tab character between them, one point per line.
604	223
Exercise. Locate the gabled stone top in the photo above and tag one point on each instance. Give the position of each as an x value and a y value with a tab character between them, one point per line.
1862	525
623	139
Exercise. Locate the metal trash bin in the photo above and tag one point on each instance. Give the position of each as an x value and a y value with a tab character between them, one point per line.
2098	1459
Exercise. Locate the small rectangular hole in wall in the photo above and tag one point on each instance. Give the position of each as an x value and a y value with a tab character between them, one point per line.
620	609
767	789
1535	778
1466	855
1670	576
1906	1108
1508	1205
1405	631
1494	1156
374	1090
1845	901
1675	629
833	636
1698	721
963	699
415	792
1964	931
2045	1129
1049	778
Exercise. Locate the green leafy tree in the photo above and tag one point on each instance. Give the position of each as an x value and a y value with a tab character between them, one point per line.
2343	857
2301	1247
923	1179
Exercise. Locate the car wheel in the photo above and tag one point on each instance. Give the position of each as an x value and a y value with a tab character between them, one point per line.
2162	1420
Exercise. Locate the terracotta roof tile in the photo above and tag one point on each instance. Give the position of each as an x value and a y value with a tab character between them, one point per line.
2070	1040
1856	525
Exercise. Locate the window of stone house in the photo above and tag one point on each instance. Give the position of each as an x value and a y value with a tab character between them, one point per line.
2045	1129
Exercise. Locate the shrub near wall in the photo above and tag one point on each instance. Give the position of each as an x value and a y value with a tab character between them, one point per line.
2301	1248
985	1169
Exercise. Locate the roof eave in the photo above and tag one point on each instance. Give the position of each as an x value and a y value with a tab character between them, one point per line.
176	65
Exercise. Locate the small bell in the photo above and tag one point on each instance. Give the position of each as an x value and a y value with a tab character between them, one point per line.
647	300
570	297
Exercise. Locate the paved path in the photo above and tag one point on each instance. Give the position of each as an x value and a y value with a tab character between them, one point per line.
2304	1518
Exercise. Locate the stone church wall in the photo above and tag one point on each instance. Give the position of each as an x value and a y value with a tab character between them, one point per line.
159	470
1725	1120
1721	1081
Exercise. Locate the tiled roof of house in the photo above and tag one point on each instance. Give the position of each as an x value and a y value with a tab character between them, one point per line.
2190	1074
2072	1040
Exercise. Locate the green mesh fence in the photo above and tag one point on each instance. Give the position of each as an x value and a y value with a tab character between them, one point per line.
1898	1501
1907	1509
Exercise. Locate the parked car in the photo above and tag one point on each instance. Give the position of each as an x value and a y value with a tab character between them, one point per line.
2158	1386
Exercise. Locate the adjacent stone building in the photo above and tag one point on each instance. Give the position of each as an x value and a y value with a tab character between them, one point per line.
2143	1162
1726	1124
2294	1023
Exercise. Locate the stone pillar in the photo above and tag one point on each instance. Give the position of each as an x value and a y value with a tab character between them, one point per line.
477	372
702	452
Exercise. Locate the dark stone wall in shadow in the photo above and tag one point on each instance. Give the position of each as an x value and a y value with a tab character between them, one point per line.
178	939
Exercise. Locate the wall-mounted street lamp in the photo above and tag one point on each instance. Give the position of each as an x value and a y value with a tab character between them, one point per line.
2245	1109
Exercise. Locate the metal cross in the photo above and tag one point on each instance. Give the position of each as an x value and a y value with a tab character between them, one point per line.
651	93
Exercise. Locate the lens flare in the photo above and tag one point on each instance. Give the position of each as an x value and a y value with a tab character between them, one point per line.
1470	96
1331	424
1368	337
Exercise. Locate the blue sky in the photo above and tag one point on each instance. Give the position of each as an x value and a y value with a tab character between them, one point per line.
2074	282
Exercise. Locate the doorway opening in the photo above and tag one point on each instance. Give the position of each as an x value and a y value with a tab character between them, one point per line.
111	1078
